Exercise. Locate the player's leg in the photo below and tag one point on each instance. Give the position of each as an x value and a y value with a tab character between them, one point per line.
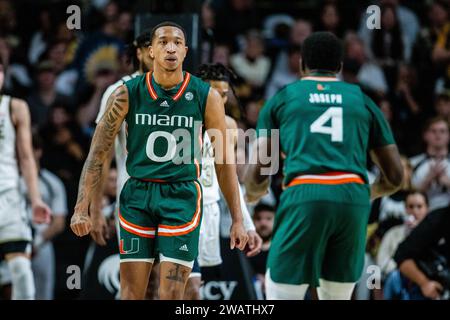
331	290
283	291
301	231
192	291
15	238
174	275
344	256
134	277
153	283
180	214
209	241
19	265
137	240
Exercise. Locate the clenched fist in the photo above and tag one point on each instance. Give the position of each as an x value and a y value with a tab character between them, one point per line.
80	224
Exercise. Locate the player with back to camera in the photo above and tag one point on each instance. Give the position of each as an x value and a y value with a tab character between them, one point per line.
326	128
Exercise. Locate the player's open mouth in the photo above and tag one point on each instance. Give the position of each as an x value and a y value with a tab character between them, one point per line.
171	59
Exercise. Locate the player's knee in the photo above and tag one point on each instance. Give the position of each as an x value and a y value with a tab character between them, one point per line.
170	293
129	292
22	278
282	291
330	290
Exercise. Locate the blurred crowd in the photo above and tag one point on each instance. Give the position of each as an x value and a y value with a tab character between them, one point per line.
404	67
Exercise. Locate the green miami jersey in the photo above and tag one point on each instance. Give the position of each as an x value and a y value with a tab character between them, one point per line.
165	129
325	125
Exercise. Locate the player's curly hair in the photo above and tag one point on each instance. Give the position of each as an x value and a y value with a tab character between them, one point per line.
322	51
218	72
215	72
142	40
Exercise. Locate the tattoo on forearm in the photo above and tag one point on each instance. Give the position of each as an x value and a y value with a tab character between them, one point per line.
102	142
177	274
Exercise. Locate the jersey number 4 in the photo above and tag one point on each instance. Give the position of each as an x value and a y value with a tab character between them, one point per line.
336	128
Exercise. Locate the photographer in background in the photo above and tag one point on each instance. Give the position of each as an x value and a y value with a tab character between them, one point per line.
423	257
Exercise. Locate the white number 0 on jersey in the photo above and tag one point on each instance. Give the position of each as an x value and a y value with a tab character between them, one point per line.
336	128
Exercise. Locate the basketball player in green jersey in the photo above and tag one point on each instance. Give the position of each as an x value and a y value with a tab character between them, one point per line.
326	129
161	204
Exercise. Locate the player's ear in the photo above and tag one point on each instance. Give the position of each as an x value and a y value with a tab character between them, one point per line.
150	52
185	51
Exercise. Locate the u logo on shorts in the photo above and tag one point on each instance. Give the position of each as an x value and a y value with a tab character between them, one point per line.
134	246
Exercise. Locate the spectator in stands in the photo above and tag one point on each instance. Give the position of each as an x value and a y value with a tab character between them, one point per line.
425	57
388	45
44	94
442	105
279	79
41	37
407	110
369	74
221	54
242	14
251	64
263	218
208	26
416	206
98	47
125	26
57	53
406	17
65	148
441	50
329	19
423	257
431	170
299	32
17	80
105	74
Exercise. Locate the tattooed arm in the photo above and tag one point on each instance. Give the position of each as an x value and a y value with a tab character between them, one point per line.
105	133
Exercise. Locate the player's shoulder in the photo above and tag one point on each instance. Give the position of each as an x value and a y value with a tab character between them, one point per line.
133	82
18	103
122	81
19	108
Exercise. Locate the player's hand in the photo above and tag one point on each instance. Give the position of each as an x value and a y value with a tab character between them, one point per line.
238	236
99	229
254	243
41	212
81	224
431	289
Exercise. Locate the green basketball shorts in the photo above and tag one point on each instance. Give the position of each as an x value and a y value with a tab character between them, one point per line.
319	233
160	220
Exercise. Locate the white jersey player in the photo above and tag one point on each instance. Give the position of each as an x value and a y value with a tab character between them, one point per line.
15	232
209	241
